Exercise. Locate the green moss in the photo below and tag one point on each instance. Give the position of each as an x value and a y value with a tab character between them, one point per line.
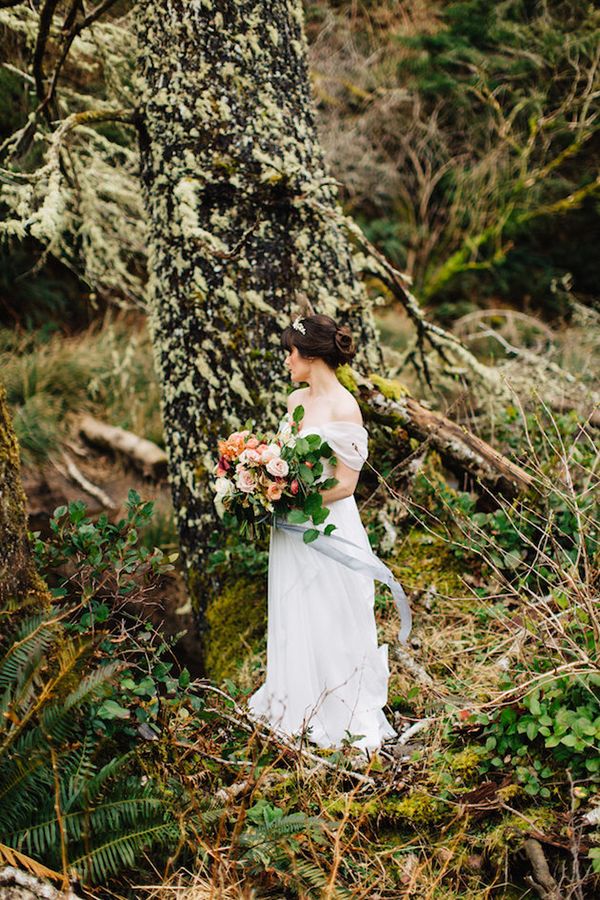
345	378
509	834
236	620
357	809
465	762
389	387
418	808
423	560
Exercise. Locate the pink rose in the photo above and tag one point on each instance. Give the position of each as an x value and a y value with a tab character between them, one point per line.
275	490
277	466
251	457
269	453
245	480
252	443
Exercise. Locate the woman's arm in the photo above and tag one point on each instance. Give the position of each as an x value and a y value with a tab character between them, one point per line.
347	481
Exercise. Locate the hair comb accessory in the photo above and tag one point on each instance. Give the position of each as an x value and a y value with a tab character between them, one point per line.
297	324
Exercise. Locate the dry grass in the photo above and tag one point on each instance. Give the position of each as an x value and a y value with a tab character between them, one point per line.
106	370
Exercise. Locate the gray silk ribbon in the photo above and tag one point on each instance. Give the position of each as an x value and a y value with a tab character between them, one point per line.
361	560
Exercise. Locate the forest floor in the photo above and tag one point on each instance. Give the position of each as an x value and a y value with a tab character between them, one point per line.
495	700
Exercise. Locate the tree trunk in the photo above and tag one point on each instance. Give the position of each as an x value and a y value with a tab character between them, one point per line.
230	161
19	580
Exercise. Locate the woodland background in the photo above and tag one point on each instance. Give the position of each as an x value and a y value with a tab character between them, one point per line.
464	140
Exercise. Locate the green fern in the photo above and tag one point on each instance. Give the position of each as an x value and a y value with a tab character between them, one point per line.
49	683
123	851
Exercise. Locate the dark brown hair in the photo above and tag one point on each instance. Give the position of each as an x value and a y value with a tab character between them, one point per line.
324	338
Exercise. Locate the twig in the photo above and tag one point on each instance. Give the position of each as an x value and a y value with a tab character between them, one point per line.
79	478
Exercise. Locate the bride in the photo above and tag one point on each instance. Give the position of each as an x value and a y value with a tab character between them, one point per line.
326	676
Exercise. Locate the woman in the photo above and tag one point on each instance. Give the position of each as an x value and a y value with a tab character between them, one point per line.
325	673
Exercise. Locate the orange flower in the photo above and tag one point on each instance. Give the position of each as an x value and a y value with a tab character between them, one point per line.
233	446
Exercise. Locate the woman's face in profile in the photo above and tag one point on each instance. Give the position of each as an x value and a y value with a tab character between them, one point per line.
299	366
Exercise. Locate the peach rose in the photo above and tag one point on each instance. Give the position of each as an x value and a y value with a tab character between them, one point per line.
278	467
233	446
294	486
252	443
275	490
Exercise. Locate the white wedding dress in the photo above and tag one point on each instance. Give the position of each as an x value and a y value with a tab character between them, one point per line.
325	671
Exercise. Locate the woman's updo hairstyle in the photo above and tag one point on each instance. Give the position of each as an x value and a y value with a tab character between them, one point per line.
321	337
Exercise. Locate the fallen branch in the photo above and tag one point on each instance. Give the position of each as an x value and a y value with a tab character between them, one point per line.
144	454
542	881
413	668
458	447
414	729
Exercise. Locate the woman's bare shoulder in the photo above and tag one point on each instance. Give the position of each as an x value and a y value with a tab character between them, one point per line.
347	408
294	398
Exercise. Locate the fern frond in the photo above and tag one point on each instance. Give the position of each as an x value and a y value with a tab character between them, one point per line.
313	877
43	837
295	823
22	781
83	768
67	657
31	641
121	851
19	860
93	787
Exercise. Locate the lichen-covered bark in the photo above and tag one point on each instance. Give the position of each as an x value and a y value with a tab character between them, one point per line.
230	157
18	576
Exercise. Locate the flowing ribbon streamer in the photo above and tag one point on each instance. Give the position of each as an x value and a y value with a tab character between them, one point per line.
361	560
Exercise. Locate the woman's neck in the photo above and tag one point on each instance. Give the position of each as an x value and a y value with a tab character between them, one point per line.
322	380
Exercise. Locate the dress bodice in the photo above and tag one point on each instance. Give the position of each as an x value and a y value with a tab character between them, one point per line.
349	441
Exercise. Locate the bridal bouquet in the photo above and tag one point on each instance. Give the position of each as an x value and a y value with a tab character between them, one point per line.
259	477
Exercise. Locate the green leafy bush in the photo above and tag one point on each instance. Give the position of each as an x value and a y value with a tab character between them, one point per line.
555	727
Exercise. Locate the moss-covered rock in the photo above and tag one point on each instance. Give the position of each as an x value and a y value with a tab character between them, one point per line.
464	763
513	829
417	808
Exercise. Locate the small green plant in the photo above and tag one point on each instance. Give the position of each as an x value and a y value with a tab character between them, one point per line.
272	836
234	555
557	724
100	560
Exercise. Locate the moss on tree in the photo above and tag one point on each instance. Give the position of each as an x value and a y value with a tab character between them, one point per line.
19	580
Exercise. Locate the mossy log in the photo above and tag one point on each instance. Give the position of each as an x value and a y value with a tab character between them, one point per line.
145	455
388	402
19	579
